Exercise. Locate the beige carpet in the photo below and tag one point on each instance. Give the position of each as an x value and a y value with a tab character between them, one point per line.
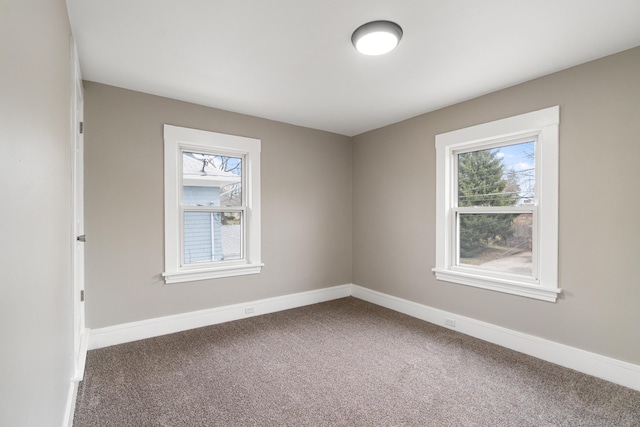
341	363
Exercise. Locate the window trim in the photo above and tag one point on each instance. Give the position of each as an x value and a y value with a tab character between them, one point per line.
178	139
542	124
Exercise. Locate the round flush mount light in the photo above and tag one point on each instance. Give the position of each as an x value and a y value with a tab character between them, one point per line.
377	37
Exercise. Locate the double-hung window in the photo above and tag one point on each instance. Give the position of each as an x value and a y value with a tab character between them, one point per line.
497	205
212	205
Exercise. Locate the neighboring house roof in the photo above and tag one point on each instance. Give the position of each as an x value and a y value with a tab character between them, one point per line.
193	174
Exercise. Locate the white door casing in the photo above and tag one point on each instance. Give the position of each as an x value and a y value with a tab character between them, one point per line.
80	334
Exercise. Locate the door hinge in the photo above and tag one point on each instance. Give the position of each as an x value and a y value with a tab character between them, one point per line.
81	238
81	127
82	295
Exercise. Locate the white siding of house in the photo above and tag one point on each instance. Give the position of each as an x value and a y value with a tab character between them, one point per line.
199	246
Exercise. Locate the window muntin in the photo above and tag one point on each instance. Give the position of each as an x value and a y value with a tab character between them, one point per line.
531	212
212	205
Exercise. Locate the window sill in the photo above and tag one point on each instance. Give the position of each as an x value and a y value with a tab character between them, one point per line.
508	286
210	273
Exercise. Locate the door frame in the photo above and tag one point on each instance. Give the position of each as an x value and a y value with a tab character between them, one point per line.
80	332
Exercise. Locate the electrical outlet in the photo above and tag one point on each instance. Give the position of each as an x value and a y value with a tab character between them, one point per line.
249	310
449	323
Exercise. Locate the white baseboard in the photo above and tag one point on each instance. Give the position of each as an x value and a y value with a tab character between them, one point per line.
607	368
82	355
78	375
71	404
119	334
616	371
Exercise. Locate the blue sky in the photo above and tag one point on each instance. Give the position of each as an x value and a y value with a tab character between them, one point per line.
515	156
518	158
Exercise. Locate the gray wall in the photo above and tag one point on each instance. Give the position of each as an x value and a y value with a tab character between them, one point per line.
35	213
394	209
306	208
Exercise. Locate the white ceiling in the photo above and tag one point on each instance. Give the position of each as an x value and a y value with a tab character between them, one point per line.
292	60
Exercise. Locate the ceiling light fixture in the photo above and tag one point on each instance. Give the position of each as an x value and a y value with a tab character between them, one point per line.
377	37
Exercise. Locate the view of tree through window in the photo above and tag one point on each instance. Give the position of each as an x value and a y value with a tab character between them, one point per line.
489	180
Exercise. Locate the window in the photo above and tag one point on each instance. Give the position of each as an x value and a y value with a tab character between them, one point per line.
497	205
212	205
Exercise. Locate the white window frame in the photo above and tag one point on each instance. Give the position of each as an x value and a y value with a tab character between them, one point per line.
543	126
178	139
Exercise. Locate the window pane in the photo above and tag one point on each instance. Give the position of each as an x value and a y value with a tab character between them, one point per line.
496	242
503	176
209	180
212	236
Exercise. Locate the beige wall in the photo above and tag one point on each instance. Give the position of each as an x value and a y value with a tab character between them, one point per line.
35	213
306	208
394	209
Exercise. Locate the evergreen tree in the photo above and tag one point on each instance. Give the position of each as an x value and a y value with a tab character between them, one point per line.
481	183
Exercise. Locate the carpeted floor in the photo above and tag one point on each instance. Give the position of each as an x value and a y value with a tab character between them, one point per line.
340	363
